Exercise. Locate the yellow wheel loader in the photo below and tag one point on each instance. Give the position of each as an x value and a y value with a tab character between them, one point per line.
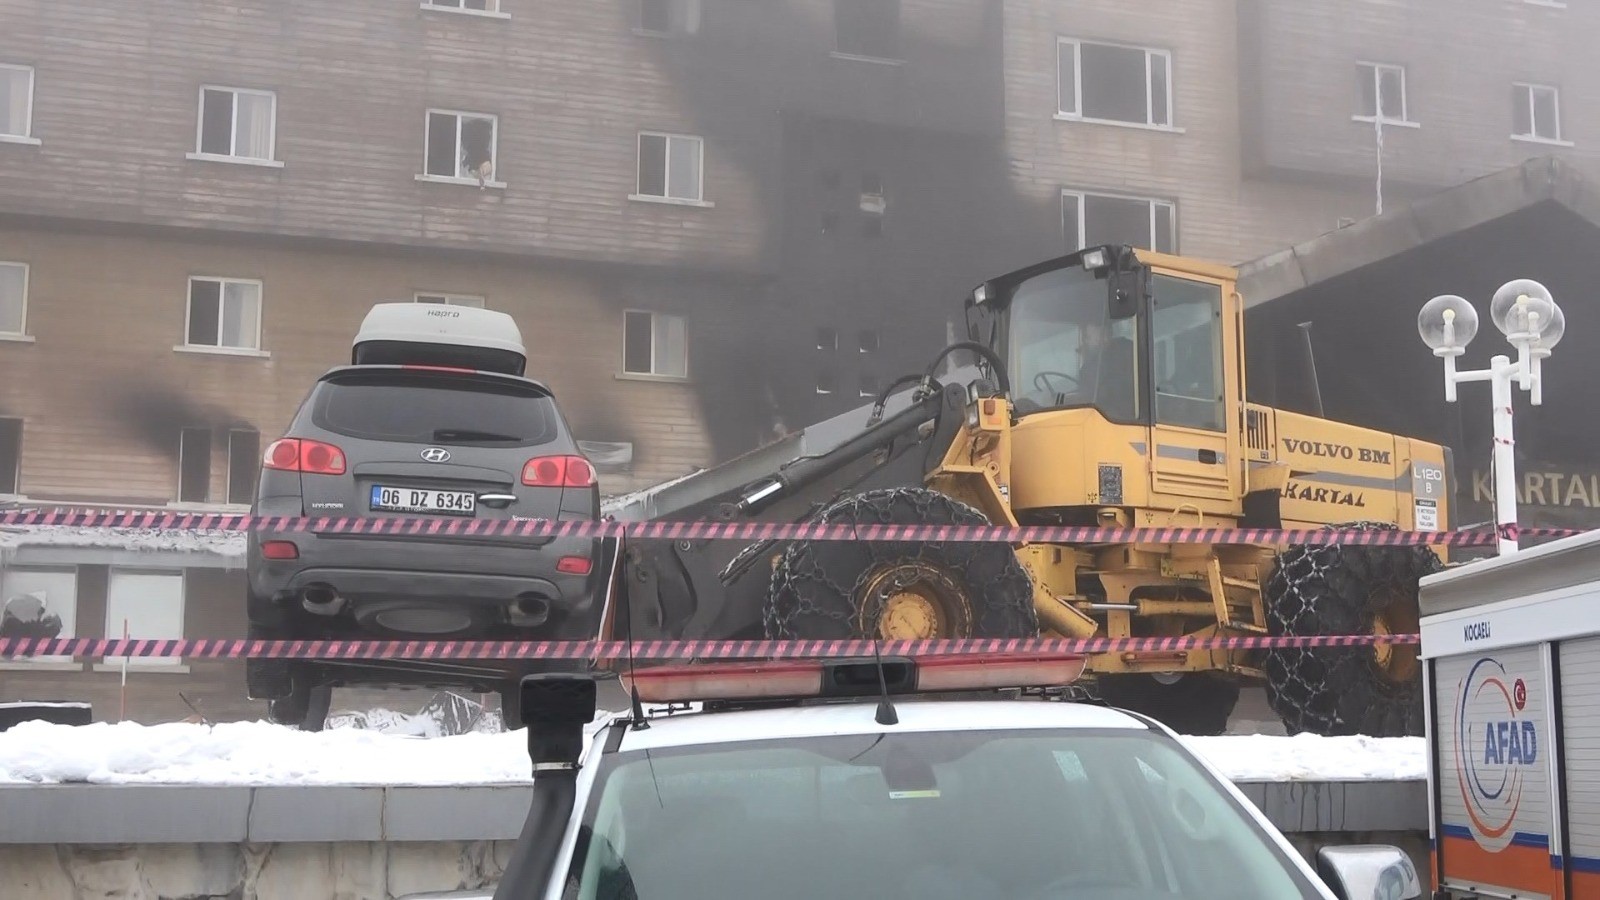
1108	390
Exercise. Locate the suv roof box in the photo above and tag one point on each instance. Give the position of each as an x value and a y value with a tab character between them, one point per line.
433	334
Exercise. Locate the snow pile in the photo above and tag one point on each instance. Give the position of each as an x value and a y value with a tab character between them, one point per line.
259	753
1309	757
230	544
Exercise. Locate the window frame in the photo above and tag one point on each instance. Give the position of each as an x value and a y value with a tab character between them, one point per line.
1530	89
653	374
219	348
899	37
16	474
21	334
200	155
52	662
448	298
1151	202
1378	118
444	6
697	14
170	664
638	170
1076	114
494	180
254	466
177	494
27	136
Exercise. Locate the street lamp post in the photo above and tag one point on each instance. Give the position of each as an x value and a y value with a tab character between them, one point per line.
1528	316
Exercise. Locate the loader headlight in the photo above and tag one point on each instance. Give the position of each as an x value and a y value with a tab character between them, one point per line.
1094	259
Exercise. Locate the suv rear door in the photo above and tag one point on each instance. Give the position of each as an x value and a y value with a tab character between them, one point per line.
448	444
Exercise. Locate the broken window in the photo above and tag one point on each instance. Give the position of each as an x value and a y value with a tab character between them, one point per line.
237	123
1536	112
461	145
13	297
1089	220
670	166
669	16
224	313
654	344
16	101
194	465
1383	91
869	28
1114	83
10	456
244	464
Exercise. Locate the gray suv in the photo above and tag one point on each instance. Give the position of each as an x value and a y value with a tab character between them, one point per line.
439	442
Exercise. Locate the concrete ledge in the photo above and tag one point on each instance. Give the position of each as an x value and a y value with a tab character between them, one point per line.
188	814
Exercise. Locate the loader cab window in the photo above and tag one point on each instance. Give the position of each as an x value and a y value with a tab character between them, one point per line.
1186	358
1066	350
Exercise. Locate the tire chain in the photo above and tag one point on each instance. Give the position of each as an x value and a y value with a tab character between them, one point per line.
800	576
1309	593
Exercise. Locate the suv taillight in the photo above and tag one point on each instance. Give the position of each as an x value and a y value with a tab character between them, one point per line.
558	471
309	457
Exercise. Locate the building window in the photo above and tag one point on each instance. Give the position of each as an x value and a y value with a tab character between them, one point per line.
827	382
451	299
1114	83
237	123
194	465
670	166
827	339
867	28
1383	92
10	456
1090	220
1535	112
13	298
676	17
16	102
40	603
244	465
654	344
868	386
482	6
867	341
461	146
144	605
224	313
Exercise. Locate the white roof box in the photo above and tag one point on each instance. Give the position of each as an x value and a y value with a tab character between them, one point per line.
435	334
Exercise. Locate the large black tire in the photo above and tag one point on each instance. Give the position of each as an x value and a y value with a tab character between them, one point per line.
1331	589
1197	703
305	707
836	589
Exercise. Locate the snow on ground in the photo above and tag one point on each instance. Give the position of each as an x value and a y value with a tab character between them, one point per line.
397	753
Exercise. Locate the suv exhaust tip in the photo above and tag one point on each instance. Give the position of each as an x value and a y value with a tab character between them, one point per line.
322	600
529	611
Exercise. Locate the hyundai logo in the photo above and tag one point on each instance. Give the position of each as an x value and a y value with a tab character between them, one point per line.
436	454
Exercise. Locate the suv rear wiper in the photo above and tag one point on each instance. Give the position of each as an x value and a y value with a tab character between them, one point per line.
467	434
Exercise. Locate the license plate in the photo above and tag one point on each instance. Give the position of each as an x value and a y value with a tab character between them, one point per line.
419	500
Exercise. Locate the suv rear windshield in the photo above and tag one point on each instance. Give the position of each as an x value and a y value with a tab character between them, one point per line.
1045	815
431	408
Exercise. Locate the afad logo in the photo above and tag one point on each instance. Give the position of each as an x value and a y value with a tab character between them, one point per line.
1495	744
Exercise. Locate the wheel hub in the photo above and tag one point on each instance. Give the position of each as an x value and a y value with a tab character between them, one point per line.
913	601
1399	663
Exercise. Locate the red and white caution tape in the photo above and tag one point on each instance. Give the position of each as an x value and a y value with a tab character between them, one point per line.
206	648
760	531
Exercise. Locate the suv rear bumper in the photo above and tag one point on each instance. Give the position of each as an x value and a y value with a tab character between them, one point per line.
422	588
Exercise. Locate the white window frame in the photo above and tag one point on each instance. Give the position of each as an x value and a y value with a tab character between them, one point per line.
638	170
1075	114
1530	88
26	137
654	374
450	298
494	149
271	162
52	663
444	6
1377	69
188	311
165	665
21	334
1152	202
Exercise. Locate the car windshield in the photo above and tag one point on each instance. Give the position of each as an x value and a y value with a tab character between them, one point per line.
422	408
1067	350
1042	814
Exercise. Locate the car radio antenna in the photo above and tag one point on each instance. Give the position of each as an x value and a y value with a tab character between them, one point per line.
886	714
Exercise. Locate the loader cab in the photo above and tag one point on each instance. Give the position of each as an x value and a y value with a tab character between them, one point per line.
1146	340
